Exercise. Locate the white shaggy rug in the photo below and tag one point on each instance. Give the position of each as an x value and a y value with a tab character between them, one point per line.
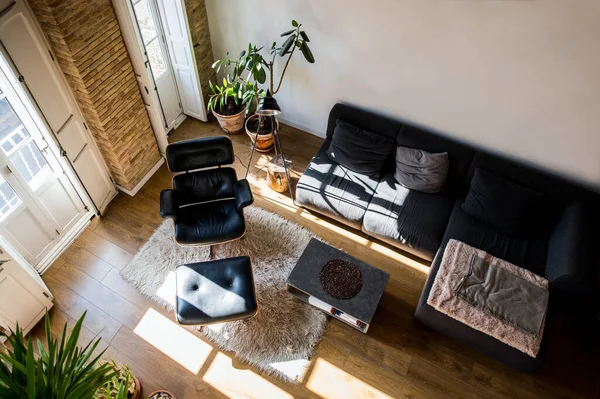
283	335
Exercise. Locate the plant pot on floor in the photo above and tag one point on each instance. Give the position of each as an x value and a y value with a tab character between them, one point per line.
111	389
264	138
232	124
162	394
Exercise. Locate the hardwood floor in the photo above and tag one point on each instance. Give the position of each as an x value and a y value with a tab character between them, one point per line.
398	358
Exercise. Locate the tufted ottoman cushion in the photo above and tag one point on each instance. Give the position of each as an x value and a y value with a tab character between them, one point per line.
215	291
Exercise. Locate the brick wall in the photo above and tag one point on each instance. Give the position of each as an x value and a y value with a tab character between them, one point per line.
87	42
198	21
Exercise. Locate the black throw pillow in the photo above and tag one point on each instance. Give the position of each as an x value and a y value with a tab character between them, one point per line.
500	202
359	150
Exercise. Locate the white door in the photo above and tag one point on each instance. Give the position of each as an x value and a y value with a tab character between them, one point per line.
175	26
157	56
38	203
22	44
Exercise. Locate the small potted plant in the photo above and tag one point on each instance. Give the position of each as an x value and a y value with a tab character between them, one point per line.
122	385
231	101
227	106
162	394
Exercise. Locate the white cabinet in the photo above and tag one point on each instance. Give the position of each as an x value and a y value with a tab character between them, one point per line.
23	298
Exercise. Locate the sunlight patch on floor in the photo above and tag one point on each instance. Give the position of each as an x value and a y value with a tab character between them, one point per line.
294	369
331	382
237	384
173	340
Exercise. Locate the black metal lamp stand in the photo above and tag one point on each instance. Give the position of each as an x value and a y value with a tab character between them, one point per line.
268	106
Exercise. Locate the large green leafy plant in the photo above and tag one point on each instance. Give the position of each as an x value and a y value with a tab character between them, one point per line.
243	77
63	370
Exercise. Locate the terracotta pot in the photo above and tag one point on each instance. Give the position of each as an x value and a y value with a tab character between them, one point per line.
264	142
138	388
163	392
232	124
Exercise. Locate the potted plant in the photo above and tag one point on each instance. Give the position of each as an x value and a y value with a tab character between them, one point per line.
231	101
162	394
62	370
122	385
242	82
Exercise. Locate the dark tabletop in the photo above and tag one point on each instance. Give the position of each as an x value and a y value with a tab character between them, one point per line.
305	277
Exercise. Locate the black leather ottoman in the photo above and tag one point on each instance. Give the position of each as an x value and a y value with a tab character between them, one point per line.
215	291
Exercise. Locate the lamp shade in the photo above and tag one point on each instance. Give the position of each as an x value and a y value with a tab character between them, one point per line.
268	106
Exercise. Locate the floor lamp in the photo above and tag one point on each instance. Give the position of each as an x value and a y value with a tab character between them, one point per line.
267	106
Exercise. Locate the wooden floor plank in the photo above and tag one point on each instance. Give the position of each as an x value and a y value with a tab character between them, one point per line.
87	262
101	296
104	249
97	321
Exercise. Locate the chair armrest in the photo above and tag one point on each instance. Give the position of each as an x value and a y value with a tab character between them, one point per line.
168	204
571	257
243	194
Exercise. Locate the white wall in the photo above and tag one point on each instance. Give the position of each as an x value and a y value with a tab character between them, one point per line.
520	77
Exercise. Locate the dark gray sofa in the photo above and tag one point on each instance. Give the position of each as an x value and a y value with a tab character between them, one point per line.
559	246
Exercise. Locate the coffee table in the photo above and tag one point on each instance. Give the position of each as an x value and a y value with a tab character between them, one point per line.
358	311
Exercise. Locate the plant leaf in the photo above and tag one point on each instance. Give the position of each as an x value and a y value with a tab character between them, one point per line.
304	36
242	53
286	45
225	82
294	23
307	53
289	32
261	75
31	368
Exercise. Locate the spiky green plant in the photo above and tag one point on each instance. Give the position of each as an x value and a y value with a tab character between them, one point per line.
62	371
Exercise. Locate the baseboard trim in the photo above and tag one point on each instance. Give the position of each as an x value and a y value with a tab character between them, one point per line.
178	121
300	127
144	180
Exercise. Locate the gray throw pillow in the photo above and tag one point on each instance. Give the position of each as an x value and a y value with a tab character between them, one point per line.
420	170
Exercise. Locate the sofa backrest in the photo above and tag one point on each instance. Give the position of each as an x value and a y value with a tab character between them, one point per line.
464	159
558	190
362	119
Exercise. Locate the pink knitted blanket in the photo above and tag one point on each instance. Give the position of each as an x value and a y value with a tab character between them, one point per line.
453	270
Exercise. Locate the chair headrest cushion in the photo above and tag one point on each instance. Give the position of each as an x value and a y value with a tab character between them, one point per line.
199	153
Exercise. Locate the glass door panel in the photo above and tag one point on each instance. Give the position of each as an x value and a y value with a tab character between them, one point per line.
12	131
17	143
156	54
9	199
31	165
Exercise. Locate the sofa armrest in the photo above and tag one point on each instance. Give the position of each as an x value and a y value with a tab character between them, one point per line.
571	256
243	194
168	204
